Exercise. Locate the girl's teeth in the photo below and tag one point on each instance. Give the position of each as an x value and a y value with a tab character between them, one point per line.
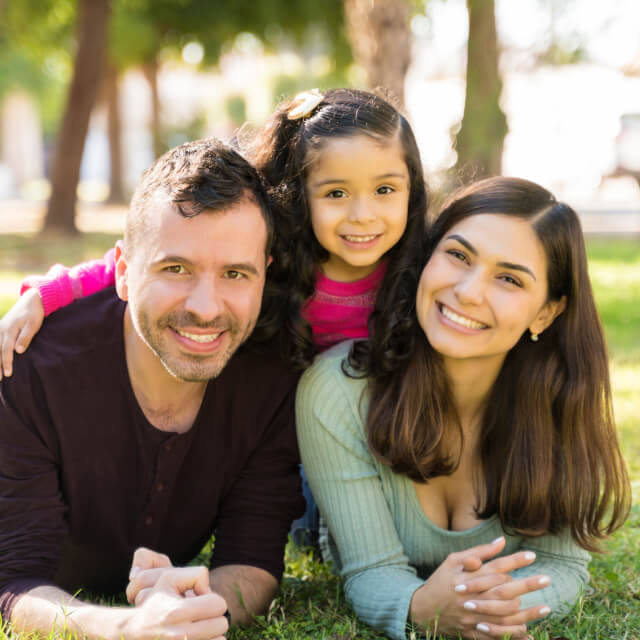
465	322
198	337
359	238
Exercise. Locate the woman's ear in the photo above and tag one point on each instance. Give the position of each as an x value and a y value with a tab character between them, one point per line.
122	288
549	312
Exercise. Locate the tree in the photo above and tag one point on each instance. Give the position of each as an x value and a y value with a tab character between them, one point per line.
381	41
484	126
92	33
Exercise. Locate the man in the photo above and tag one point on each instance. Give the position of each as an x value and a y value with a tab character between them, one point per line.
139	420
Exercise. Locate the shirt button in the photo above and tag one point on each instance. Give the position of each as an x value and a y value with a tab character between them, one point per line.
148	520
160	487
167	446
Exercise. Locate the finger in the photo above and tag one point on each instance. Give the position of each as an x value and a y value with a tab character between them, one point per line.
144	558
482	583
205	607
140	597
475	556
516	588
178	580
142	579
26	335
8	342
206	629
523	616
509	563
499	631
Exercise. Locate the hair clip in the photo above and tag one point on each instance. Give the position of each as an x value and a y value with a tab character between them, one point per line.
304	103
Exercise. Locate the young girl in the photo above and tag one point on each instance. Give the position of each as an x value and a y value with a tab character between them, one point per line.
479	410
346	178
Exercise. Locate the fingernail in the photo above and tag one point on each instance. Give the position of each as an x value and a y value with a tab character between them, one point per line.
460	588
134	572
470	605
544	611
529	555
544	580
500	539
482	627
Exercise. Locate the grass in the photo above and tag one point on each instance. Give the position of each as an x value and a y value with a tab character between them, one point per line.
311	602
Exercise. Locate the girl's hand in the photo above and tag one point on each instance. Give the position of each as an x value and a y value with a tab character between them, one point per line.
471	595
18	327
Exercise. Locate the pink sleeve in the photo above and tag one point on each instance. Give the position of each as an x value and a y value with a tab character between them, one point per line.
62	285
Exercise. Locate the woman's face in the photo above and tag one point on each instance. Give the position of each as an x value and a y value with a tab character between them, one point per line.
483	287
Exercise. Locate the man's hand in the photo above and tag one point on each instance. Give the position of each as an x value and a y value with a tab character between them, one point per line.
167	614
18	327
146	568
473	595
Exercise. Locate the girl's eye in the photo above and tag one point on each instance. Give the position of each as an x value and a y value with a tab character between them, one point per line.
336	193
511	280
232	274
384	190
458	255
175	268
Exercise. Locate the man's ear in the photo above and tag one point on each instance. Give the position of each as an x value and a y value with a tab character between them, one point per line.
269	261
551	310
122	287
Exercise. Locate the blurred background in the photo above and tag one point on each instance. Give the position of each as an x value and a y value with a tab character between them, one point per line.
91	91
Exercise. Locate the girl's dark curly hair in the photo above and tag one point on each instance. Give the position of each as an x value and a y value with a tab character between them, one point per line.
548	446
282	153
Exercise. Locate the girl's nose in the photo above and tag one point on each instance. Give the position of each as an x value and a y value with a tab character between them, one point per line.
361	211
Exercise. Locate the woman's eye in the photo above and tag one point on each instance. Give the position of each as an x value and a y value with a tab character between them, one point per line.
511	280
175	268
336	193
384	190
457	254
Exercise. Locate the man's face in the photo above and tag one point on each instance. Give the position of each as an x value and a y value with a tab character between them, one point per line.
194	285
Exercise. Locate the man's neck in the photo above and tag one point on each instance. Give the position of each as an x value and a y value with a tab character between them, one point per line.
168	403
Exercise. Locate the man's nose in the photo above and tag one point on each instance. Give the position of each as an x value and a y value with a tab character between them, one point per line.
205	299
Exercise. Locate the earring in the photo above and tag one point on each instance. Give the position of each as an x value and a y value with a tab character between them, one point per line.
534	337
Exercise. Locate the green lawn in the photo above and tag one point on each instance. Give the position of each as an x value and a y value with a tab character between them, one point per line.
311	602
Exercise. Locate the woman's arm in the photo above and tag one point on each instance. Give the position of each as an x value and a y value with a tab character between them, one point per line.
344	479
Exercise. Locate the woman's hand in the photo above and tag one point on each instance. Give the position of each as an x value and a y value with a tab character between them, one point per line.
18	327
473	595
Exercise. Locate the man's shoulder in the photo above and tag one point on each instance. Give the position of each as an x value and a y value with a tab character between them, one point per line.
78	329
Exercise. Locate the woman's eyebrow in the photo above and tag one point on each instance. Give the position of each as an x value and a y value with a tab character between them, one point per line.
507	265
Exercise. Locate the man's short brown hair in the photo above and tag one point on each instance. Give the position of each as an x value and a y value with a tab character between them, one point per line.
199	175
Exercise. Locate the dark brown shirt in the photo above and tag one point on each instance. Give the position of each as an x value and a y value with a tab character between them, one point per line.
85	478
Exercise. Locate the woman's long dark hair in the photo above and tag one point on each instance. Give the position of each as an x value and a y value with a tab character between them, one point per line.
548	445
282	154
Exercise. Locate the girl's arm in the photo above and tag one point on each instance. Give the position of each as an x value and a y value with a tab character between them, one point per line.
42	295
61	285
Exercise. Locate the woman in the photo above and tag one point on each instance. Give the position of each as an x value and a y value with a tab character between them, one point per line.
465	458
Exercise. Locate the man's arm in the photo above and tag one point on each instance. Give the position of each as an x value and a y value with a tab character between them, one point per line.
165	613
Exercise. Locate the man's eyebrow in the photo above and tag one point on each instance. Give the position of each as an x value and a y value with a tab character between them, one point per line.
507	265
382	176
248	267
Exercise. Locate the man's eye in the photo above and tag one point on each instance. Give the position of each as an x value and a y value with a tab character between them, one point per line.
232	274
175	268
384	190
336	193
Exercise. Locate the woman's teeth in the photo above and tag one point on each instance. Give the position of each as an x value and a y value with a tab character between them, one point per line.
461	320
199	337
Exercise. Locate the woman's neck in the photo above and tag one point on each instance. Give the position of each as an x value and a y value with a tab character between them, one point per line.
471	382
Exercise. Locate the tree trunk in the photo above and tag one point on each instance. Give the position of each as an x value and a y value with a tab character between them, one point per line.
114	130
484	126
92	32
150	69
381	42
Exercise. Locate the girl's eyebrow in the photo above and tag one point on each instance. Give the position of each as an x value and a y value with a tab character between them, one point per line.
507	265
382	176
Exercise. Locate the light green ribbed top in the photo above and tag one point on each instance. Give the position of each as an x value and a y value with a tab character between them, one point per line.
380	530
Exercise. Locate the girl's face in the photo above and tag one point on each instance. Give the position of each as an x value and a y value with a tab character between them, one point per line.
483	287
358	193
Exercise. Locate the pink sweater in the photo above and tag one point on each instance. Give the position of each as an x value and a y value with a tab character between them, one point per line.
337	311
